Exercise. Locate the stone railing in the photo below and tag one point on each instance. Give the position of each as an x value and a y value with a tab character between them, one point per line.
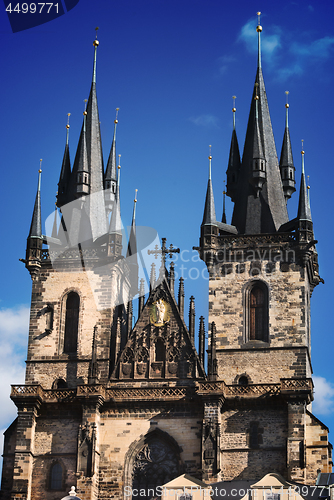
149	393
254	390
210	388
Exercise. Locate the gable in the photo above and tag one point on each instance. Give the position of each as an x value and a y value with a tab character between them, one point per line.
159	346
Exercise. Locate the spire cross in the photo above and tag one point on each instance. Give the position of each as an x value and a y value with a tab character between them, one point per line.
164	251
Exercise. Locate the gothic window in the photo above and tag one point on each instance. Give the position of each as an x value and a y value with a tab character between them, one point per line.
71	323
159	350
56	477
156	464
59	383
257	312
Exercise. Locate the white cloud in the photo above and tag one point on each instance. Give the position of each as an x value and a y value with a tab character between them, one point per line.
283	54
14	326
224	62
269	44
323	396
205	120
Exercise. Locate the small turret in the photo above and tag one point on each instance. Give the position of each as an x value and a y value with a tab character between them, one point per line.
209	216
35	238
304	218
81	169
132	252
192	319
258	173
286	161
110	173
115	228
234	163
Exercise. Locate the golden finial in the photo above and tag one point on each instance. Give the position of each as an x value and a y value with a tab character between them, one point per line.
287	93
224	192
210	157
68	120
85	106
40	166
135	200
119	162
96	42
303	152
308	182
117	110
234	108
256	98
259	27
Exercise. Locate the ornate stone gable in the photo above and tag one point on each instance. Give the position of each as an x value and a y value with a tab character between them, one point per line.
159	346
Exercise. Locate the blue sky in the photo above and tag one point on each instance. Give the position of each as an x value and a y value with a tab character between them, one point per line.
172	68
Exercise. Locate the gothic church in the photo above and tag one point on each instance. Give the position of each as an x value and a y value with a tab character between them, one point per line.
111	407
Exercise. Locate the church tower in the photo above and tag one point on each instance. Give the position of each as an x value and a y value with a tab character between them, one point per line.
263	269
116	406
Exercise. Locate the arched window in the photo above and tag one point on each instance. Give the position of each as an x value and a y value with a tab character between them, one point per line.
159	350
56	477
71	323
257	312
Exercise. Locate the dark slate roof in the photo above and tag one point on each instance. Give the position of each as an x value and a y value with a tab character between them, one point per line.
234	157
132	246
209	216
110	174
36	221
268	212
64	177
286	159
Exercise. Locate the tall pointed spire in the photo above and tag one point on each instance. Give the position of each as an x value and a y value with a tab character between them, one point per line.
267	212
209	216
233	168
36	221
65	172
286	161
110	174
97	212
304	209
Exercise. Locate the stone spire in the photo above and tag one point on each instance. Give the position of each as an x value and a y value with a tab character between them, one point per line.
233	168
266	212
286	161
35	237
209	217
110	173
65	173
36	220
